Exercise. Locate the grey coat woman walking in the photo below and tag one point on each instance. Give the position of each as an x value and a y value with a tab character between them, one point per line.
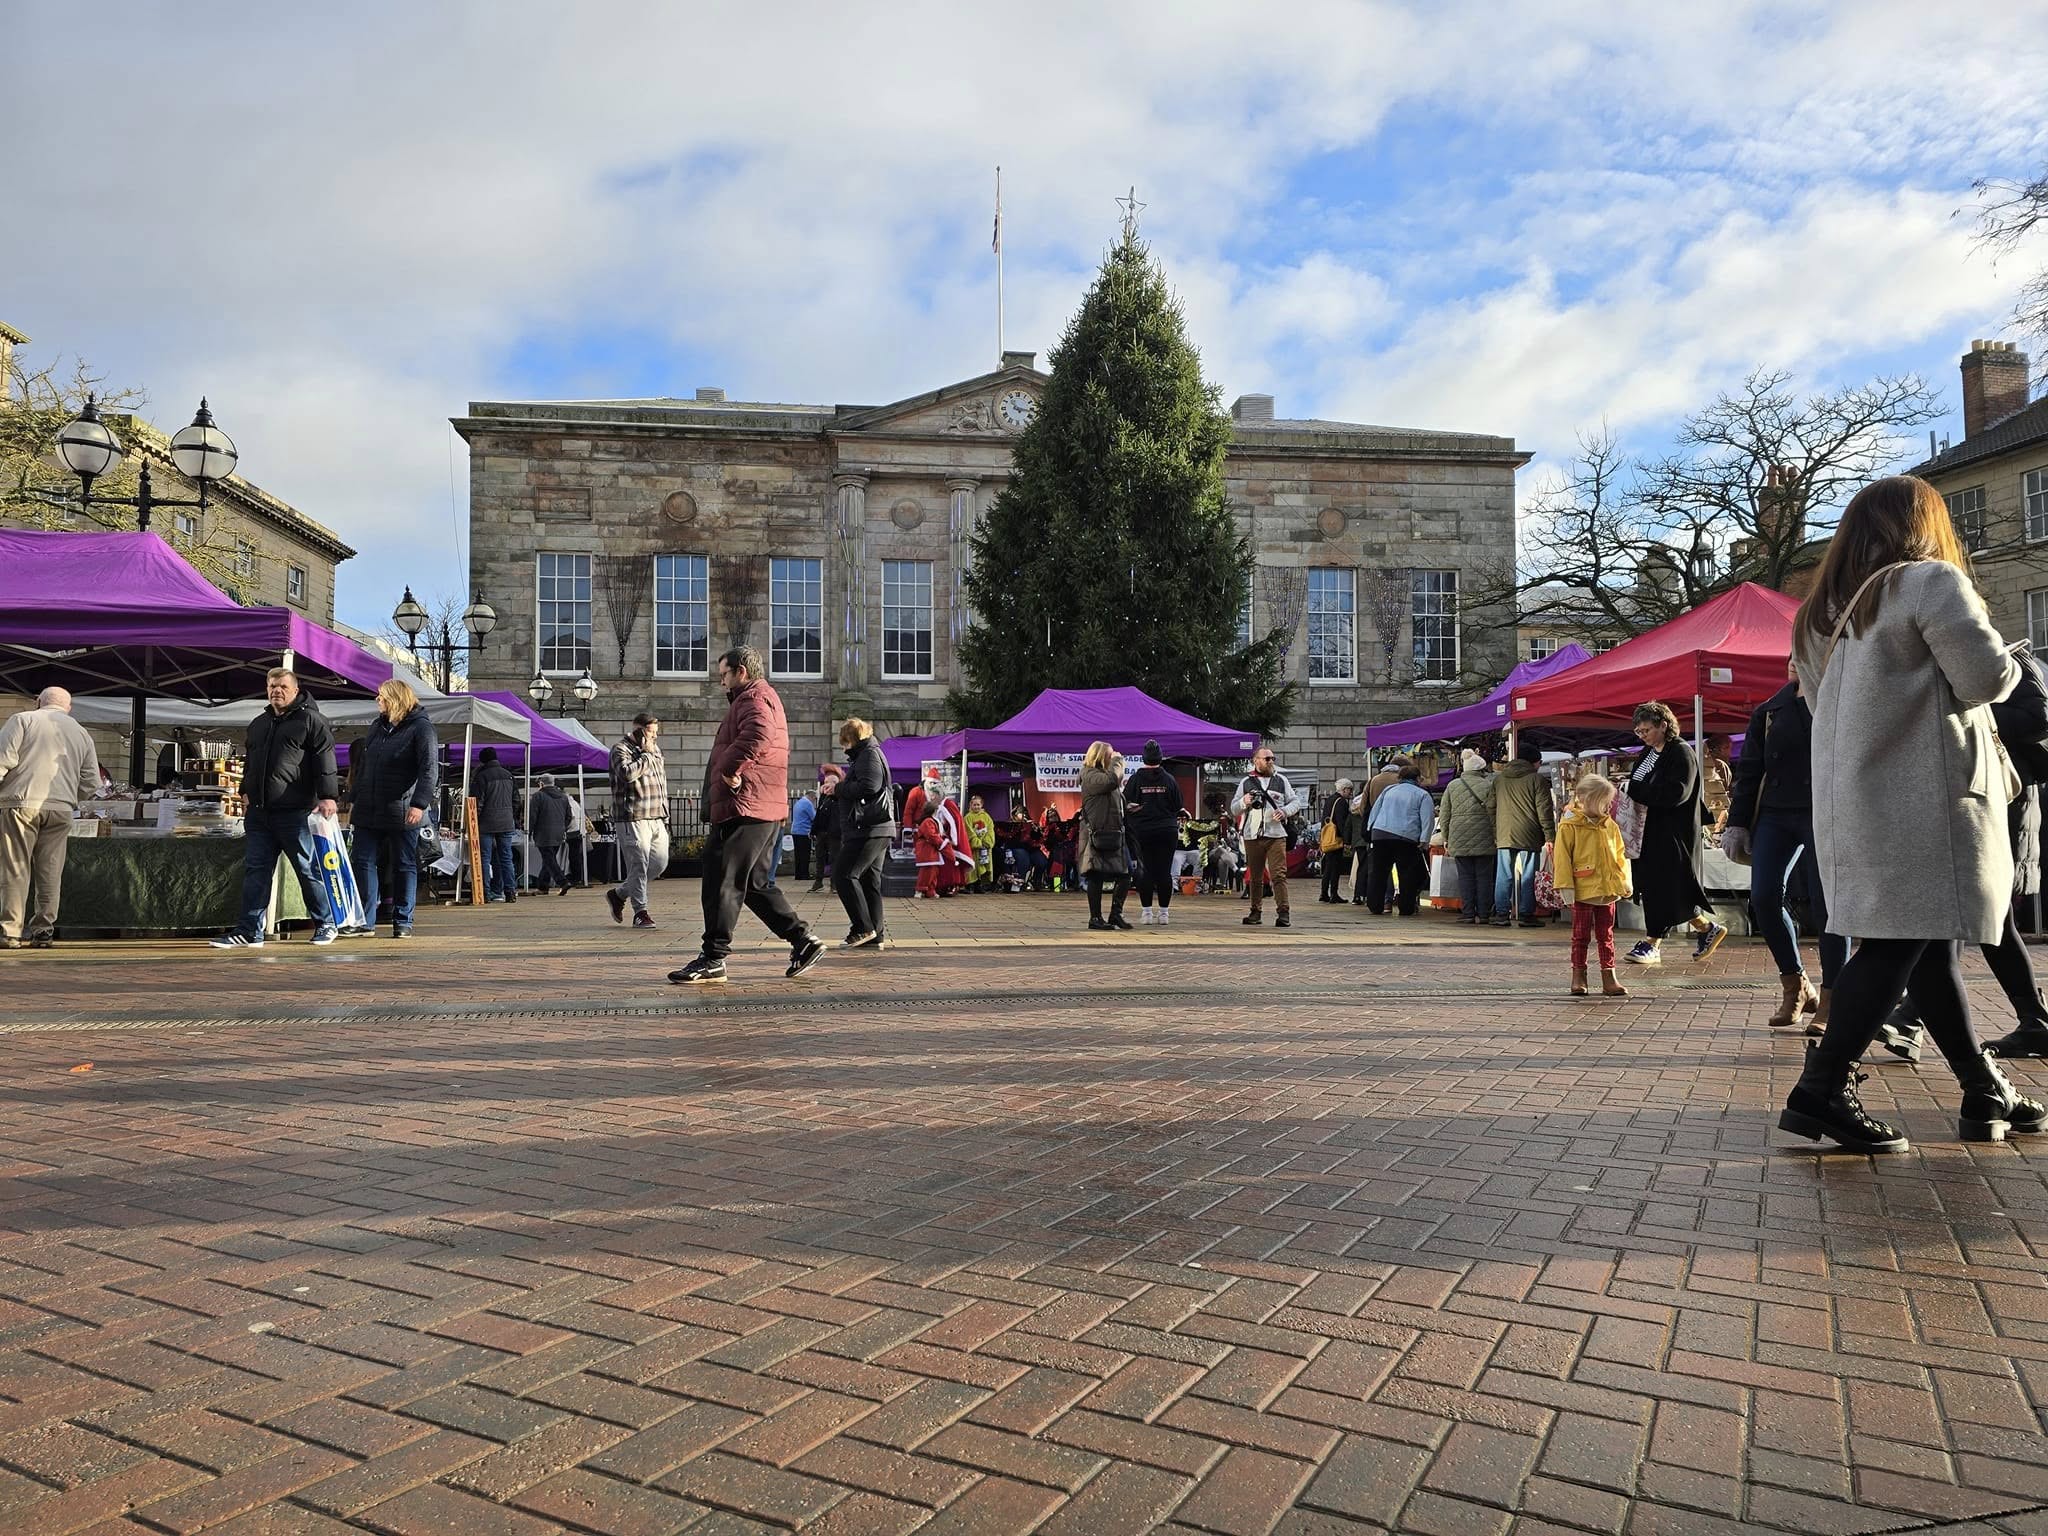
1909	802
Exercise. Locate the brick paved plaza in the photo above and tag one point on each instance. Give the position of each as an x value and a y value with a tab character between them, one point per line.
1364	1226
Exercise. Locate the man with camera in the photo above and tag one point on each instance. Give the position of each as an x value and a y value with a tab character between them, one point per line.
1263	803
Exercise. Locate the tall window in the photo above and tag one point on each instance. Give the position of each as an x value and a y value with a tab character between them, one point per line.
906	619
188	528
2037	620
245	558
1332	611
1966	510
2034	500
1244	618
796	618
1542	647
295	584
682	613
1433	620
564	593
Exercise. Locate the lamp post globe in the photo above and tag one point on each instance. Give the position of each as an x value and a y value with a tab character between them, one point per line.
540	689
586	687
409	616
479	618
202	452
87	445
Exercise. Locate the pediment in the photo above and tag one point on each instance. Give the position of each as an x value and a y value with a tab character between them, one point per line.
966	409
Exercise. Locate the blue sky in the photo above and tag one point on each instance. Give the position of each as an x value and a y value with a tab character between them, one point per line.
344	225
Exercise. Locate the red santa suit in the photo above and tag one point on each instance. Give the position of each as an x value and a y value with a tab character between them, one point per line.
929	799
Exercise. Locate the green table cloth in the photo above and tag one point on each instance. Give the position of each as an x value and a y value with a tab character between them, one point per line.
161	885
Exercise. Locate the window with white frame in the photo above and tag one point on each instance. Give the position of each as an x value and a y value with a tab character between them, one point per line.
1244	618
562	641
907	619
796	618
245	558
1433	622
1966	511
1332	624
1542	647
2034	504
295	584
2037	620
682	614
188	528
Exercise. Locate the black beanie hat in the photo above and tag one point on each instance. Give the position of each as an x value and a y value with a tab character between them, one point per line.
1152	754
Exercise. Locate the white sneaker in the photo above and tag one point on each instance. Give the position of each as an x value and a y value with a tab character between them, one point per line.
1165	913
1646	953
1145	917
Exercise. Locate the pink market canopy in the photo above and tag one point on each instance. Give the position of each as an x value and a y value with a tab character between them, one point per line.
1481	715
122	613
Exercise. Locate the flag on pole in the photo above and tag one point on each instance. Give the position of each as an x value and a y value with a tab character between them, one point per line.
996	243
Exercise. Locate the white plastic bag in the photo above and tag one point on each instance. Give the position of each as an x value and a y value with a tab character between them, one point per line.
330	859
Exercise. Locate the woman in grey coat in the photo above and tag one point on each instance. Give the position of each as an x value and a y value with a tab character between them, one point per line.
1100	840
1909	802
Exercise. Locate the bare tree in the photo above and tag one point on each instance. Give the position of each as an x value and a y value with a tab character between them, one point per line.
2010	211
623	579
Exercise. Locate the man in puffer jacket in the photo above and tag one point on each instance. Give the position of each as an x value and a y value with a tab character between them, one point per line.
497	818
288	771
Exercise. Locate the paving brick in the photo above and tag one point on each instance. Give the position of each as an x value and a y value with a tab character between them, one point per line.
1014	1456
1126	1497
1245	1493
780	1496
601	1503
438	1511
1366	1478
690	1431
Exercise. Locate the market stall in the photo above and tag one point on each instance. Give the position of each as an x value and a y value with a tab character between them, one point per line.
1481	716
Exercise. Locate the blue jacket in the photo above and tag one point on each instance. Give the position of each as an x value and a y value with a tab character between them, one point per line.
1404	810
801	815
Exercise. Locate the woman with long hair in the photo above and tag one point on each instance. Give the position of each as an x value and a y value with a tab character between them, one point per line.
1099	846
393	774
865	817
1666	783
1895	652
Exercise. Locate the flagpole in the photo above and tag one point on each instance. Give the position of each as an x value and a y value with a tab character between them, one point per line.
999	264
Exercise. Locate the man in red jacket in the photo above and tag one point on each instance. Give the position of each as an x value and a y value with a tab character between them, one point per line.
746	795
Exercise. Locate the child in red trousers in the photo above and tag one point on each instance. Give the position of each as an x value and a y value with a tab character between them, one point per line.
931	857
1591	875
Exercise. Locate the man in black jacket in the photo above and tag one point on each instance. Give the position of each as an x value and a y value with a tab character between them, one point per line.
287	772
497	818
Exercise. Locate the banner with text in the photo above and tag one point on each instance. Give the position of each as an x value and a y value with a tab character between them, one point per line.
1059	772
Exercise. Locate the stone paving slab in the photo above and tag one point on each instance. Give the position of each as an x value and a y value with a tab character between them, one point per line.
1359	1226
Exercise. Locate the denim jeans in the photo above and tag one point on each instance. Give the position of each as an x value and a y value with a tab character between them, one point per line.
270	833
1507	886
368	857
1781	859
501	868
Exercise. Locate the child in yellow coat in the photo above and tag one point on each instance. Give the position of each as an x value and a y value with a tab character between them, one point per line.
1591	876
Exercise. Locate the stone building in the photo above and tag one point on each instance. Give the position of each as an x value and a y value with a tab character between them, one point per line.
1996	484
640	537
257	548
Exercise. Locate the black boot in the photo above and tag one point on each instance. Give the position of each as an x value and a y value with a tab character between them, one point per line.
1823	1103
1095	906
1992	1106
1116	913
2031	1038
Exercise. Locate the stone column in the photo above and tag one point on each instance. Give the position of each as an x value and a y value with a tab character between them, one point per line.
960	549
850	514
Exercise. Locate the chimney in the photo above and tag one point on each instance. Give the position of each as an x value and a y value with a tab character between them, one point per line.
707	392
1020	360
1779	521
10	338
1252	410
1994	384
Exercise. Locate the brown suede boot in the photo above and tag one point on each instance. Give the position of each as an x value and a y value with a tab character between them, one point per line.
1818	1024
1610	984
1793	1002
1578	981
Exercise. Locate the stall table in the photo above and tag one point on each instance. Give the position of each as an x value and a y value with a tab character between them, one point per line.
136	886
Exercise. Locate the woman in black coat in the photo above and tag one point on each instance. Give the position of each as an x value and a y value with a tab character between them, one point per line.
1666	783
392	775
865	811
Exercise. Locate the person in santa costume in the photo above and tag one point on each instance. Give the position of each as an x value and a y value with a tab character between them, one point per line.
929	798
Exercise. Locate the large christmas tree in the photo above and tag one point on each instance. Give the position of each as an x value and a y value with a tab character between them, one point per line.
1111	558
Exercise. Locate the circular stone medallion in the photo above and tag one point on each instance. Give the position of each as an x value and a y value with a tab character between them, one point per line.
1331	521
906	515
679	507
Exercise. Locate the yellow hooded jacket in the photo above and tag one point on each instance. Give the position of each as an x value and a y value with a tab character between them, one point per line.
1591	864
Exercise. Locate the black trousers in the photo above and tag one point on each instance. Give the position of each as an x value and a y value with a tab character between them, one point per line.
1119	885
739	856
1389	855
1336	864
803	855
1155	867
857	877
552	876
1929	971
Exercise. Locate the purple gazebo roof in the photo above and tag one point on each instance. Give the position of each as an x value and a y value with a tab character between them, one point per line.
1481	715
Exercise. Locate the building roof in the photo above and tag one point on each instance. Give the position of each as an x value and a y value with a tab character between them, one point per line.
9	333
252	498
2022	429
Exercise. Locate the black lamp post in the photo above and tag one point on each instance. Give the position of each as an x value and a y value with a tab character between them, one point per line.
540	690
478	620
202	452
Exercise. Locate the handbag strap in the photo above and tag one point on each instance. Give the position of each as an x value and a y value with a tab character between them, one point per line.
1849	608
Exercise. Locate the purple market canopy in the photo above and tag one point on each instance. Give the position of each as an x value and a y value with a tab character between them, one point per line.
1480	716
905	755
122	613
1068	719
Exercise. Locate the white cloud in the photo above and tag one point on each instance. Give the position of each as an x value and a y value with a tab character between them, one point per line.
342	224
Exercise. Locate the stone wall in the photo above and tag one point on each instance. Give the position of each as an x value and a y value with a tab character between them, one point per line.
2008	567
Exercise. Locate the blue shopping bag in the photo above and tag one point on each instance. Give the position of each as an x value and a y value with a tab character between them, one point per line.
330	858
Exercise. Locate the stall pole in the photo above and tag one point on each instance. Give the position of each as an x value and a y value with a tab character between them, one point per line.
1699	764
582	875
462	810
526	841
